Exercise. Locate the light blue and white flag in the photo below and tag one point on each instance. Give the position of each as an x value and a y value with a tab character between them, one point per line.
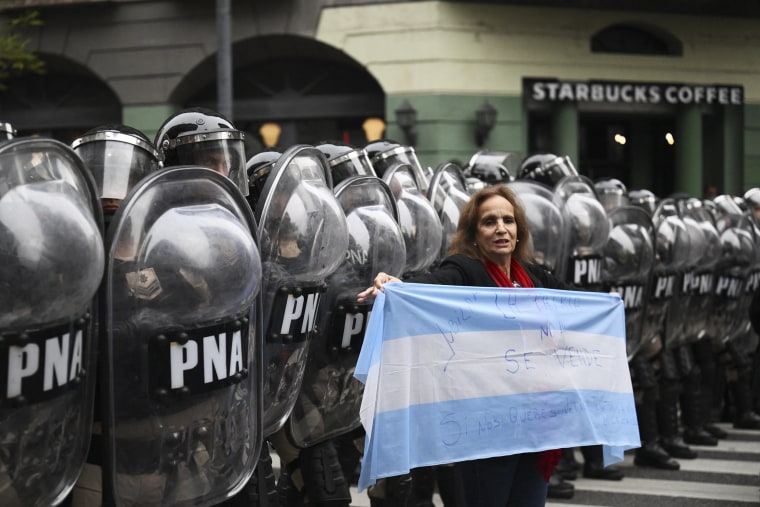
459	373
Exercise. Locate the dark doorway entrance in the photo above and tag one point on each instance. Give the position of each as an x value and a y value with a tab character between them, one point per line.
633	148
637	150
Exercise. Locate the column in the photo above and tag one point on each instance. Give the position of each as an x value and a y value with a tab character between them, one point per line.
688	136
565	131
733	150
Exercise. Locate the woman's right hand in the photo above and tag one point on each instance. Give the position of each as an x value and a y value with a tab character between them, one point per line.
380	280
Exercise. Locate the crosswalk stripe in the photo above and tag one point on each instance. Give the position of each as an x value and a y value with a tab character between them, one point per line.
724	475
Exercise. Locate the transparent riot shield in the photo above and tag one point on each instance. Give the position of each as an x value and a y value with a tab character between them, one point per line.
448	193
545	222
698	280
587	231
304	238
418	219
746	337
628	259
730	313
330	398
672	249
183	359
51	264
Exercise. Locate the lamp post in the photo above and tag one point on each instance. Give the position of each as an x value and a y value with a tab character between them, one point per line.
406	118
485	119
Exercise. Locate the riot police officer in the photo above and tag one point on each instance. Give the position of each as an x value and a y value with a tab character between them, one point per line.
588	234
51	263
203	137
118	157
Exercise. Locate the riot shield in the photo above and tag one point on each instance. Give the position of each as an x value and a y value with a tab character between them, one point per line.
330	398
182	326
698	280
448	193
51	264
730	314
746	337
304	238
418	219
628	258
545	222
672	250
587	231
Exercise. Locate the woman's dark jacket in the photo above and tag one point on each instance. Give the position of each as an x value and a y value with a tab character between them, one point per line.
462	270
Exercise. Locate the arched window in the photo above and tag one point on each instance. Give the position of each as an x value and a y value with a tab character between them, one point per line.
636	39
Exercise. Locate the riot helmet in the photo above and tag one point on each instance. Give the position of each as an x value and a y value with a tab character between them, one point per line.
203	137
385	154
381	145
546	168
118	157
345	160
612	193
643	199
752	201
258	168
493	166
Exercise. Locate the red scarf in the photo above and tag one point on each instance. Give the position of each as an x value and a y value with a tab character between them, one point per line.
547	460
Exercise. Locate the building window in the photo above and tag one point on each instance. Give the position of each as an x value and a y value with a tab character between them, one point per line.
636	39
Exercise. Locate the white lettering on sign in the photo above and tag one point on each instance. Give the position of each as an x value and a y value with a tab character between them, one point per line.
587	271
222	357
664	286
303	308
57	359
634	93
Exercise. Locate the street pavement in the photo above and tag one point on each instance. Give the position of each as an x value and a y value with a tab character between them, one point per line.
724	476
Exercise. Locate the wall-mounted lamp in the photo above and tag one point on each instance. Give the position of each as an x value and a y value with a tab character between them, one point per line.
270	134
485	119
373	129
406	118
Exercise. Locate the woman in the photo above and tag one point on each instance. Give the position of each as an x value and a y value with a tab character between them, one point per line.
492	248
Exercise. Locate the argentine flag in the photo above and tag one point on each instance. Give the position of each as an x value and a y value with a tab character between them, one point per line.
457	373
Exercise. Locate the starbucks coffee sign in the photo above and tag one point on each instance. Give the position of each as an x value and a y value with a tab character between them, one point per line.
614	92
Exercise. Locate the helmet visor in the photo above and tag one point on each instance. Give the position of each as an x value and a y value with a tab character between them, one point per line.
224	155
116	166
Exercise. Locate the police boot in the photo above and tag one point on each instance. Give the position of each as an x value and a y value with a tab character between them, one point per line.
289	494
712	384
395	491
423	486
667	423
450	486
692	415
744	417
651	454
349	455
559	487
323	478
593	465
261	488
568	467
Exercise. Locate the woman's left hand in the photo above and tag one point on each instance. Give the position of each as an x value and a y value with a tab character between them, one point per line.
380	280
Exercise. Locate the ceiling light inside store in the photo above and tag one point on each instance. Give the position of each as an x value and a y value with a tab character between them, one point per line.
620	138
669	139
